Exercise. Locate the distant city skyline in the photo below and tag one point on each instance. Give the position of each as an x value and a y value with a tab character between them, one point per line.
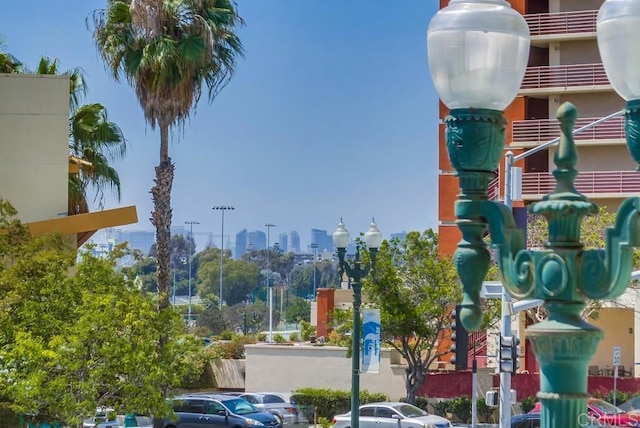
143	239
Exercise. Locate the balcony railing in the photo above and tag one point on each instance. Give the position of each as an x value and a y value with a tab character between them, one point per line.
543	24
564	76
590	182
494	189
548	129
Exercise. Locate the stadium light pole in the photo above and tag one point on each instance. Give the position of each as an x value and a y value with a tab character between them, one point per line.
222	209
190	223
356	271
269	287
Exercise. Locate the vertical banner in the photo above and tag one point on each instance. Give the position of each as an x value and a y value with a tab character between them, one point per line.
371	341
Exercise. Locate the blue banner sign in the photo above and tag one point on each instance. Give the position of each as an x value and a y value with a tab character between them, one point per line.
371	341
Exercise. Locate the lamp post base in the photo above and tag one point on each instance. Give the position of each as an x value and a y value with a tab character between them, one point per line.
564	344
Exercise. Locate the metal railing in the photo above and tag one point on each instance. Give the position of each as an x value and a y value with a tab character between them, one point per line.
564	76
542	24
590	182
546	129
494	189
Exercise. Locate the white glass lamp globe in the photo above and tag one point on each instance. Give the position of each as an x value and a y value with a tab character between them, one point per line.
341	237
478	52
373	236
618	30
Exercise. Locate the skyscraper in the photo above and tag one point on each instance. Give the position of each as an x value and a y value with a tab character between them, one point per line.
256	240
323	239
283	242
294	240
241	243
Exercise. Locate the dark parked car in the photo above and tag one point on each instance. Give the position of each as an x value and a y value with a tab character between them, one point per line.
217	410
276	403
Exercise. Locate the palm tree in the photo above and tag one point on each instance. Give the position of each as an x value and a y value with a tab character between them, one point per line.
168	51
8	62
94	141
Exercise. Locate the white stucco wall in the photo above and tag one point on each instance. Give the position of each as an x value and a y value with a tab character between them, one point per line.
287	368
34	130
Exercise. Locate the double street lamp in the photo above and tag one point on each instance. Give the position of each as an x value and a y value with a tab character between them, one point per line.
355	271
478	52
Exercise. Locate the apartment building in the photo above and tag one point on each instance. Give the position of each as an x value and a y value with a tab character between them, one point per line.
564	65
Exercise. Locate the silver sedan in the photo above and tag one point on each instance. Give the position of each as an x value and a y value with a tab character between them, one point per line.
392	415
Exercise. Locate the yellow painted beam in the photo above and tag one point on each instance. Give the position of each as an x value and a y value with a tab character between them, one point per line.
88	222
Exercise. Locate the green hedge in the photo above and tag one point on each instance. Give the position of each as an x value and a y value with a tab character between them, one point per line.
326	403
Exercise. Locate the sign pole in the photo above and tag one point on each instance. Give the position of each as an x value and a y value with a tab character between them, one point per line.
616	363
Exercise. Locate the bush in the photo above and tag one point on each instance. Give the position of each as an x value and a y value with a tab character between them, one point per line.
307	330
233	350
423	403
294	337
261	337
278	338
441	408
326	403
485	412
460	407
227	335
528	403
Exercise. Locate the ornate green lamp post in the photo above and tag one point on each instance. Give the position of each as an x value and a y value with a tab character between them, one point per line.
356	271
478	52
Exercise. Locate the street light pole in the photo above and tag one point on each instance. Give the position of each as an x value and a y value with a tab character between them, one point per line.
356	271
190	223
269	288
222	208
478	51
314	246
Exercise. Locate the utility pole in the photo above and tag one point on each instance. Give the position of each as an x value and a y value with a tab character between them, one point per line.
269	288
190	223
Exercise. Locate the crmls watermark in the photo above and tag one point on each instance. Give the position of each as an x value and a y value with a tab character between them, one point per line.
607	420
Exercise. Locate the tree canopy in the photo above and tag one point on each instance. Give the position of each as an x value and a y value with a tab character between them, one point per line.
75	336
415	290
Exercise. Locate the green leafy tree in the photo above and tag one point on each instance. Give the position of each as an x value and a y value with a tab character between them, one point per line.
299	310
145	268
168	51
415	289
78	336
280	263
240	277
212	317
250	318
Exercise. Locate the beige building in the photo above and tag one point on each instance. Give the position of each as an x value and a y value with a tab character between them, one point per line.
35	162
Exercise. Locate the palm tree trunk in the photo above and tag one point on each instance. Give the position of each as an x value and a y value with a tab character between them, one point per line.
161	216
161	219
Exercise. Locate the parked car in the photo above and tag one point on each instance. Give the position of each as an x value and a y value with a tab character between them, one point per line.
599	413
392	415
279	404
217	410
632	405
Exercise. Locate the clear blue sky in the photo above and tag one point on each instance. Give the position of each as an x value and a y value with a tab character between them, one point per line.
331	114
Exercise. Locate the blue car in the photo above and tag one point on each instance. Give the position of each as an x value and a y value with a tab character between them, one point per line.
205	410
